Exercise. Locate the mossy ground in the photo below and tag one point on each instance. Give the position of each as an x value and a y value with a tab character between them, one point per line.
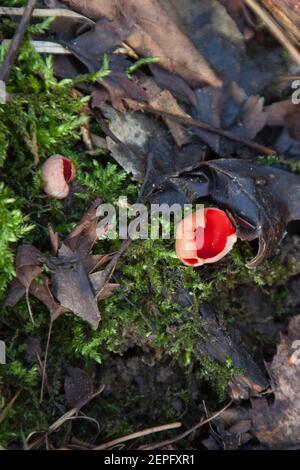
154	315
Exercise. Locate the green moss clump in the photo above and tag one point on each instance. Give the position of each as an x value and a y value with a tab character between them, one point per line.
14	226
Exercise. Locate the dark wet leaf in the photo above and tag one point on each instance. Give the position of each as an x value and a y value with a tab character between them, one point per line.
70	285
15	293
78	387
96	280
277	425
121	88
83	237
103	38
217	343
143	138
262	200
33	349
40	289
28	264
168	81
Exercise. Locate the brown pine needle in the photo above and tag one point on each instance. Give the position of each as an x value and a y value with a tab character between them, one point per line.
186	433
136	435
8	407
45	361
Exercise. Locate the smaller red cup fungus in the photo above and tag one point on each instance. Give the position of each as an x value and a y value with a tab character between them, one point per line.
204	236
57	173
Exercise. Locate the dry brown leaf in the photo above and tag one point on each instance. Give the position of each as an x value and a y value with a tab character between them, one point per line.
153	34
69	289
28	264
164	100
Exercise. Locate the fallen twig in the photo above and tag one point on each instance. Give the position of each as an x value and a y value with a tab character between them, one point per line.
274	29
287	78
9	406
58	423
16	41
186	433
45	361
136	435
202	125
45	47
45	12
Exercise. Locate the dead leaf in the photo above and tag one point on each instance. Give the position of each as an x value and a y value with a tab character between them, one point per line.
262	200
153	34
145	138
164	100
69	289
15	293
252	118
28	264
33	349
83	237
40	289
277	426
70	285
277	112
96	280
78	387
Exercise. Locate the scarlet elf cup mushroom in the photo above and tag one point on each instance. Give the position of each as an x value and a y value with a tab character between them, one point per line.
57	173
204	236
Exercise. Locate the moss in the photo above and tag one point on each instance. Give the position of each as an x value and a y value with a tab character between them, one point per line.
218	375
156	307
14	226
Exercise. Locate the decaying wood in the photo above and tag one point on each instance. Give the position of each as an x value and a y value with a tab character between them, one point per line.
275	29
287	13
219	344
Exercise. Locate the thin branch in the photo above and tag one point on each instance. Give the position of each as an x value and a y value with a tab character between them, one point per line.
186	433
136	435
45	47
274	29
287	78
45	12
188	121
16	42
45	361
9	406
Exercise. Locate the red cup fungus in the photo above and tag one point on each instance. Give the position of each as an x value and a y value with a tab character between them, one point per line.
204	236
57	173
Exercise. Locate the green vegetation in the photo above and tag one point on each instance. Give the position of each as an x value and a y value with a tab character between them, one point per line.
156	308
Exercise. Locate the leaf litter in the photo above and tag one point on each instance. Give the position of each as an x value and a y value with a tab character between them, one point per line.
66	285
209	78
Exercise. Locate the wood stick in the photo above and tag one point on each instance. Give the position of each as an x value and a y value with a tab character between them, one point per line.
45	47
188	121
136	435
186	433
274	29
44	13
16	41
